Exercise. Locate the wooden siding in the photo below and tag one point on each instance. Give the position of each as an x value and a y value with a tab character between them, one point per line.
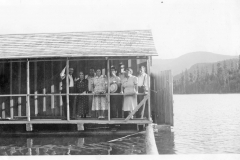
162	97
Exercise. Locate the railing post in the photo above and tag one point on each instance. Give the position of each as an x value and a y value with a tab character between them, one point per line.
67	89
19	89
11	90
28	92
148	83
108	95
44	89
35	89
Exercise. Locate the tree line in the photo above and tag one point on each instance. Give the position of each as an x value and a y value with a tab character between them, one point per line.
224	77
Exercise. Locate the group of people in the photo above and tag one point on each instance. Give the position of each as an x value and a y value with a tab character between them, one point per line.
97	84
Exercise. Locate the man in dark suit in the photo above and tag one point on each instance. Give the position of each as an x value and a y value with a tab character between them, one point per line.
71	90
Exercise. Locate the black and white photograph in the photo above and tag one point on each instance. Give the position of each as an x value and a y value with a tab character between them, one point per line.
93	78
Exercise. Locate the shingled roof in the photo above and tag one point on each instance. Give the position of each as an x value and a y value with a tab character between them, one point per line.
77	44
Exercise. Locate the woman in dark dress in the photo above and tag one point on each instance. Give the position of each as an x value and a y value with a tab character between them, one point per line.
82	100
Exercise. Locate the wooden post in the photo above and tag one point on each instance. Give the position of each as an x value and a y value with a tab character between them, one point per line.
151	147
19	89
29	127
60	97
35	89
44	89
29	146
143	110
28	92
52	89
108	94
67	89
148	83
3	110
11	90
80	127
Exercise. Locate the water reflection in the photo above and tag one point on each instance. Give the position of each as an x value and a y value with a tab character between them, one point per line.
72	146
165	142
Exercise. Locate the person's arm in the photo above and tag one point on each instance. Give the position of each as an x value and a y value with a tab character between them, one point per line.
118	81
121	87
136	84
62	74
147	82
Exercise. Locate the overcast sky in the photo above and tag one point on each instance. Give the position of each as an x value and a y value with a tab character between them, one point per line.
178	26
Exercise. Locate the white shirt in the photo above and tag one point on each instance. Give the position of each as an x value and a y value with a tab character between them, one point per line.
142	80
63	75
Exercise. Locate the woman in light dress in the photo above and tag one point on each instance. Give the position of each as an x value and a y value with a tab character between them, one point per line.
130	90
99	101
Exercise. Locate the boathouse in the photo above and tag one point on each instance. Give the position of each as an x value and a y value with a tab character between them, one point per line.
30	64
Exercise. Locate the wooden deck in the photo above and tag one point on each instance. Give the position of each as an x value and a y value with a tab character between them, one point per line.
80	121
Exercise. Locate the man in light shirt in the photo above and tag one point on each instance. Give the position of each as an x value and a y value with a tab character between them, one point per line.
143	81
71	90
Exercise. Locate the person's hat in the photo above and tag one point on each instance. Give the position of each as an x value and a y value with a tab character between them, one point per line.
71	69
113	87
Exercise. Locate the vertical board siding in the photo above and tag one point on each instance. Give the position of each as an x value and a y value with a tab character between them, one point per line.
163	97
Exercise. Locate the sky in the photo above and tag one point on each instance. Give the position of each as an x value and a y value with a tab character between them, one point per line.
178	26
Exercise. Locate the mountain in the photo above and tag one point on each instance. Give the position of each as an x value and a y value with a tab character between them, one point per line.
177	65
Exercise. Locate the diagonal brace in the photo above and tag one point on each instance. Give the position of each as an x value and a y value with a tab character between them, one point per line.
138	106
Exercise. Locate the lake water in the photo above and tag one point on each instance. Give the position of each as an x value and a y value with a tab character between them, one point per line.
202	124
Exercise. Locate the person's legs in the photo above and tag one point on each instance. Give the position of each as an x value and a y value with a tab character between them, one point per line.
113	104
64	107
90	102
139	99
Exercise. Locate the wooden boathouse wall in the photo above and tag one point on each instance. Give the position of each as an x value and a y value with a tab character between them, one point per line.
162	97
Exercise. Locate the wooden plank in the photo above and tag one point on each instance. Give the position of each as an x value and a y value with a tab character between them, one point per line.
80	127
143	110
35	89
19	89
3	110
108	95
137	108
85	121
11	90
67	89
44	89
52	90
148	83
29	127
28	92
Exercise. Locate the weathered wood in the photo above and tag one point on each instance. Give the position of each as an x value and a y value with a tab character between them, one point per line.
3	110
11	90
28	92
137	108
148	84
143	110
151	147
85	121
163	98
29	127
44	89
80	127
35	89
67	89
60	97
52	90
19	89
108	95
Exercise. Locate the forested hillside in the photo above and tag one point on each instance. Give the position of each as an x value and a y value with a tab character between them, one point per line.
219	77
